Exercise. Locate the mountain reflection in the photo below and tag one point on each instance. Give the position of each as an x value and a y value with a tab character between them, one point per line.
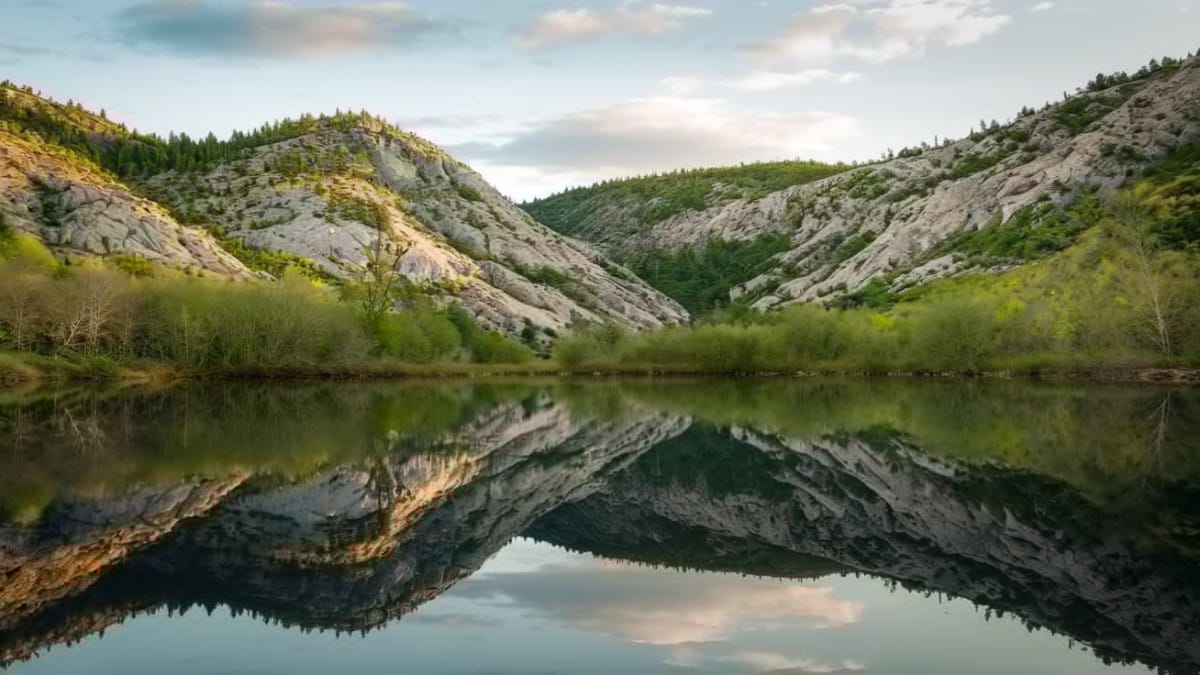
345	507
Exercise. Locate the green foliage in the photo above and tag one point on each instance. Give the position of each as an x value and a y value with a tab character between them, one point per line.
26	251
1172	191
420	335
469	193
867	184
492	347
658	197
1032	232
588	344
852	246
973	164
876	294
255	326
129	154
1078	114
486	346
113	315
357	209
1102	81
700	279
543	274
1118	296
50	210
275	263
133	265
955	332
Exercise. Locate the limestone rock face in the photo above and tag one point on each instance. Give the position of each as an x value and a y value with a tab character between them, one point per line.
77	210
332	195
334	189
907	206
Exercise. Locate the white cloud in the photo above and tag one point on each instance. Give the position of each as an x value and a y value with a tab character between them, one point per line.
272	28
566	25
772	80
881	30
1042	7
682	86
664	133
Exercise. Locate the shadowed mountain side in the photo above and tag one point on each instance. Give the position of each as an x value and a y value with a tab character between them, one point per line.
1009	540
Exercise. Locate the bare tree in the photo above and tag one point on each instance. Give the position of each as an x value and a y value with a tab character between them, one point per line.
22	303
88	308
1133	225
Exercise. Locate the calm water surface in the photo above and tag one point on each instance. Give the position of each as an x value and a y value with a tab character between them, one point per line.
782	527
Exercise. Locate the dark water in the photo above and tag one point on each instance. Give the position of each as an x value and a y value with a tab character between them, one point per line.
782	527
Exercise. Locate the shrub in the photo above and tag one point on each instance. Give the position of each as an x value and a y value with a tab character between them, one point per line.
492	347
421	335
289	323
956	332
134	265
469	193
589	345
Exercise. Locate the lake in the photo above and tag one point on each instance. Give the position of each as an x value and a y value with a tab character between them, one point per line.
671	526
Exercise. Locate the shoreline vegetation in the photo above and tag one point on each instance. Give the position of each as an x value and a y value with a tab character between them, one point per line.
18	370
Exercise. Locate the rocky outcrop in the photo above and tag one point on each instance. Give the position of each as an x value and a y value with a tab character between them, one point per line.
330	195
886	218
77	210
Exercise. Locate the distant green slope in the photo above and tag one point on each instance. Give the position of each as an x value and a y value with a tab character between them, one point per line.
657	197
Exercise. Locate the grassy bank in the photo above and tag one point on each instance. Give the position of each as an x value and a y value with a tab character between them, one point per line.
31	369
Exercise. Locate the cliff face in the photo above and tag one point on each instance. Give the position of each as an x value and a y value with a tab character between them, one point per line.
1010	541
74	207
332	189
328	195
886	218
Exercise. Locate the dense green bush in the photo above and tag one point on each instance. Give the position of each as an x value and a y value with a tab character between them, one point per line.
702	277
422	335
957	332
232	326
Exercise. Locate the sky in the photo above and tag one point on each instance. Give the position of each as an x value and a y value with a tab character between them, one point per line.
541	95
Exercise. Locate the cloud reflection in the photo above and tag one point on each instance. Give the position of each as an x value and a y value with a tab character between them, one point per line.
660	607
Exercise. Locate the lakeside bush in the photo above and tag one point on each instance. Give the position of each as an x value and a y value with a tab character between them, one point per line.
92	312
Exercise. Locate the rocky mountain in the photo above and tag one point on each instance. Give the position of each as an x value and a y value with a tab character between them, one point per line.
897	219
75	206
314	192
